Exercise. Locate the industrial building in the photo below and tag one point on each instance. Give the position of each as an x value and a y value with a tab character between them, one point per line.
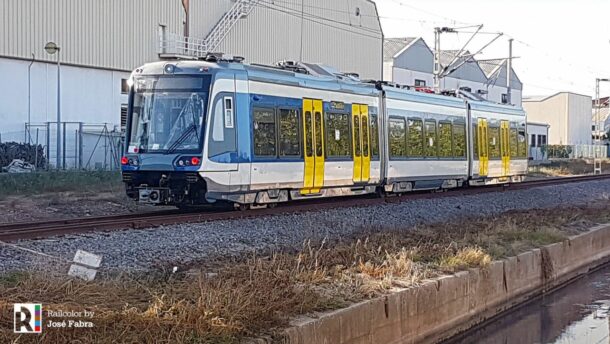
410	61
100	42
601	118
568	114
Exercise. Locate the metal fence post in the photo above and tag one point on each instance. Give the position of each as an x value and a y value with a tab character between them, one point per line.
48	145
63	153
80	145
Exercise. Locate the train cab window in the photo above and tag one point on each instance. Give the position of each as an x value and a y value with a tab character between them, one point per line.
416	138
338	135
513	142
289	142
397	138
522	148
223	137
430	142
459	140
444	140
264	133
374	136
494	142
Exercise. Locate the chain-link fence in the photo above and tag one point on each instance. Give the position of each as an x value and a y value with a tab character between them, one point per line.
82	146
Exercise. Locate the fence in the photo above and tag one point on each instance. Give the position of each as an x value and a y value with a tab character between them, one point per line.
81	146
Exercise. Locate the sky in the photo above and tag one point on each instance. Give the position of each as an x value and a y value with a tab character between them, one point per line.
561	45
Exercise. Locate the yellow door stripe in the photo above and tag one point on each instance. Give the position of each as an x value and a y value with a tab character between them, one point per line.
366	143
308	146
356	143
318	134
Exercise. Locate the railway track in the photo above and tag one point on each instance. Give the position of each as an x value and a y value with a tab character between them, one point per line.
33	230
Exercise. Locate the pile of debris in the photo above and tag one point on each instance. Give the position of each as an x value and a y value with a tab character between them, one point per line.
27	153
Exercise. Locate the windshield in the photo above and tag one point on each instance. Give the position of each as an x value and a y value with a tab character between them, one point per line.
168	114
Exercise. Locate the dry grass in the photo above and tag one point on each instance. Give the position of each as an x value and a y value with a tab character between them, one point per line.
225	302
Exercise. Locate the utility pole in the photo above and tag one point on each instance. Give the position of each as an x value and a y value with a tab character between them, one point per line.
52	48
437	56
509	74
597	159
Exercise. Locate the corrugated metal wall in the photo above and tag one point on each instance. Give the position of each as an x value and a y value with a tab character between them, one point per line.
115	34
123	34
332	32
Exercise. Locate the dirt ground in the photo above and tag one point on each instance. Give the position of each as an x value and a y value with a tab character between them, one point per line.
53	206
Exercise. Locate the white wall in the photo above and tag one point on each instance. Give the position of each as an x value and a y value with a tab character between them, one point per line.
407	77
579	121
87	95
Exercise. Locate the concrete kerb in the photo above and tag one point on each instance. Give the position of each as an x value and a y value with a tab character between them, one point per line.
441	308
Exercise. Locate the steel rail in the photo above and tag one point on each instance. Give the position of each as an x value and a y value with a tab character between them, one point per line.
44	229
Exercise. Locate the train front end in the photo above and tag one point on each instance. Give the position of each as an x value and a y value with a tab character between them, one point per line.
165	134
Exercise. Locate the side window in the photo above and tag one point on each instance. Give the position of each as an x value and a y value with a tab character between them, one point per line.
430	143
356	127
374	136
337	135
365	138
308	134
459	140
522	144
416	138
513	142
494	142
289	142
319	132
223	138
475	142
397	138
264	132
444	140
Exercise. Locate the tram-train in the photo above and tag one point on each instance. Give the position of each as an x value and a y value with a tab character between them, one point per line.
219	130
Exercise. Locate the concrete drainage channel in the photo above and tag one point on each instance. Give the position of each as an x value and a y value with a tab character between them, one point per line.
439	309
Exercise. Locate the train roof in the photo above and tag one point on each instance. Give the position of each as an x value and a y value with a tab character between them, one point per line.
319	79
262	73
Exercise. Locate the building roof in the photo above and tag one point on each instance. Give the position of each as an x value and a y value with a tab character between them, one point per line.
491	66
603	102
448	55
393	46
531	99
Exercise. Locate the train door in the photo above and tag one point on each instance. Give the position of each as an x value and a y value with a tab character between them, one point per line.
505	147
361	143
313	146
483	145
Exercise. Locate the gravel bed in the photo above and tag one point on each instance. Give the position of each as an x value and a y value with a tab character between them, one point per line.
181	244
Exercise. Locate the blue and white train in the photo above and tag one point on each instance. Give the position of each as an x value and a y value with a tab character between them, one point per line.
216	130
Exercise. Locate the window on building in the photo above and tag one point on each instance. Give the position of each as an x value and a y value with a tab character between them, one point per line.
264	132
374	136
124	86
420	83
533	140
593	127
430	143
459	140
543	140
494	142
289	142
539	141
466	88
397	138
444	140
416	138
504	98
337	135
123	116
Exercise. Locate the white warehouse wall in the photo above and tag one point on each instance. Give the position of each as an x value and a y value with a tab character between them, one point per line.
87	95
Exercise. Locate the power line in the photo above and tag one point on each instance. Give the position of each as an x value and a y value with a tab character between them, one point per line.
297	14
311	15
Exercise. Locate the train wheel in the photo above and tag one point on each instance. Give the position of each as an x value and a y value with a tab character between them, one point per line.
241	207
